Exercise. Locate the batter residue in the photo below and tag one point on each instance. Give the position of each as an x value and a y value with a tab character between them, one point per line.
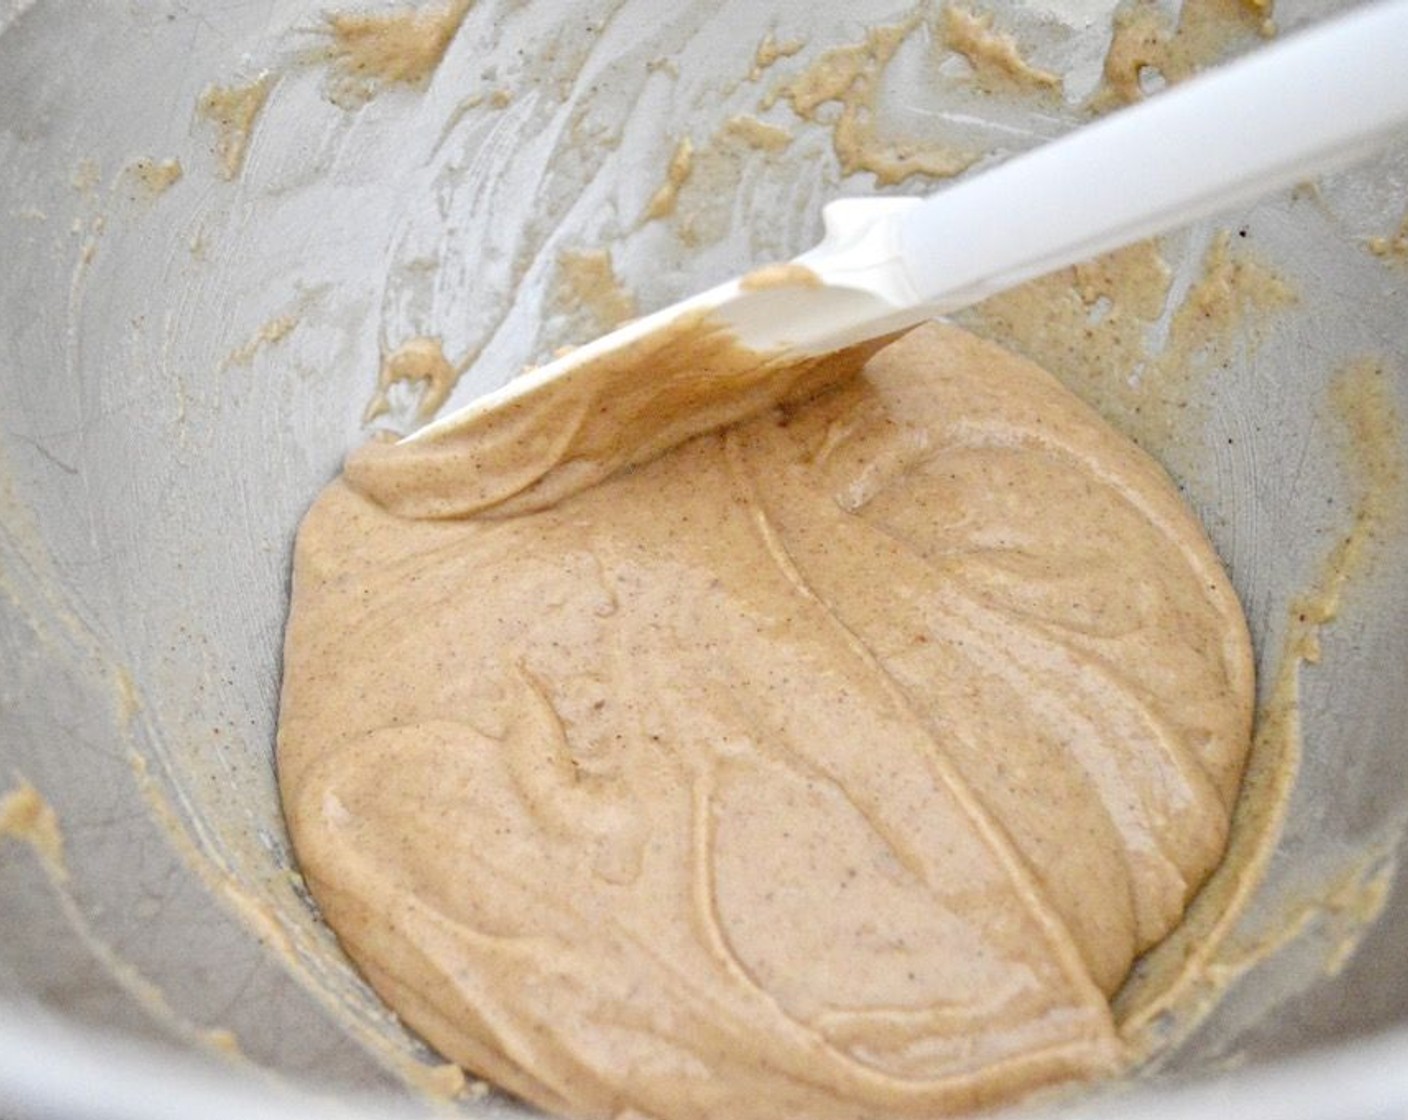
1395	245
589	290
995	57
418	361
1091	326
770	51
662	202
26	816
1148	49
835	763
233	111
850	76
371	50
155	176
705	199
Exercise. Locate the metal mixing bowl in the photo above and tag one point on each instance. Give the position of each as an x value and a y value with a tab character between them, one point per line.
183	365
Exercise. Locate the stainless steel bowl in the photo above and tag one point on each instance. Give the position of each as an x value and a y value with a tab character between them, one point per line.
183	364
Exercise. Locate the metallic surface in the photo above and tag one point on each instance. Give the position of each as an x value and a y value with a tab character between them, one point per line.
162	427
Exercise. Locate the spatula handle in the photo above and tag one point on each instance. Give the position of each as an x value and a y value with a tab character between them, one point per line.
1291	110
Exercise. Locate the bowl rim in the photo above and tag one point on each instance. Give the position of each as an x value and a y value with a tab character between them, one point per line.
52	1066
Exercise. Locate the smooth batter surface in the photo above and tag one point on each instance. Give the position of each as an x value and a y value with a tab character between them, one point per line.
836	764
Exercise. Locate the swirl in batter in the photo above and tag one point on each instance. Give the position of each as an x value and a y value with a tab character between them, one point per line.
836	764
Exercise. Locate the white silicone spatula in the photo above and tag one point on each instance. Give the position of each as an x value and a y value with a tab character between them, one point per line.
1316	100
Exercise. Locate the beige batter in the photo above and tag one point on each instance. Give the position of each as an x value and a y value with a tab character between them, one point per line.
369	51
233	111
835	764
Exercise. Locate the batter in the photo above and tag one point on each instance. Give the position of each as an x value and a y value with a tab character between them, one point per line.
835	764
